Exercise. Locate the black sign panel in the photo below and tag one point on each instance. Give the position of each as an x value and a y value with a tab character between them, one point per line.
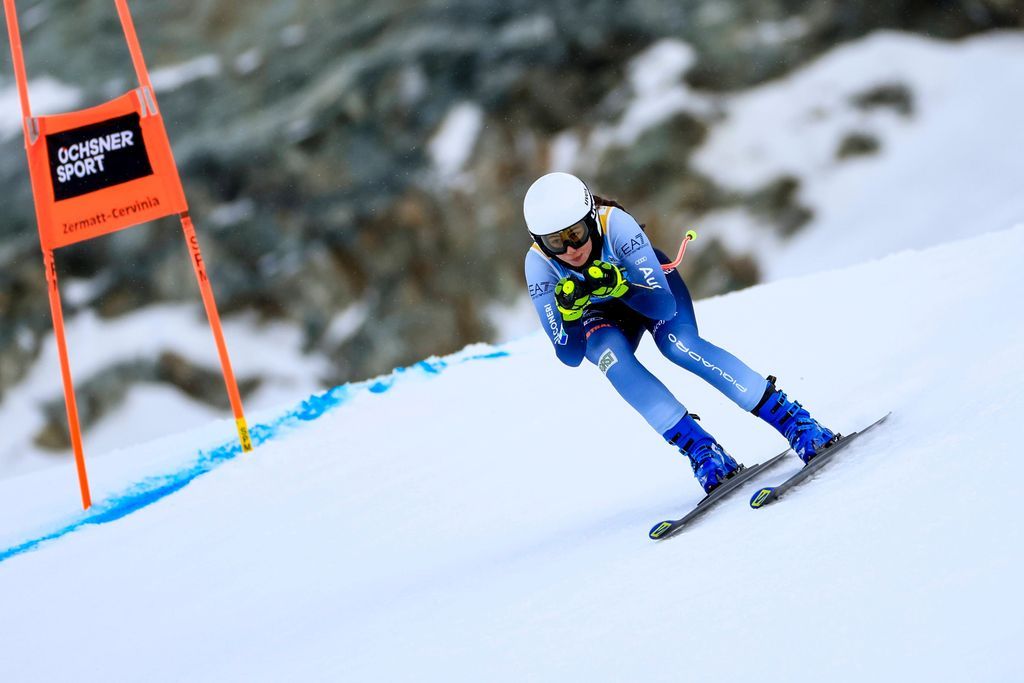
97	156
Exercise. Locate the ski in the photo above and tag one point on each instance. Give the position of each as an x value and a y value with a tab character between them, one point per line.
670	527
770	494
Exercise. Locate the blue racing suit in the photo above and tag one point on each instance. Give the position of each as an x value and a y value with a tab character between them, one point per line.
610	330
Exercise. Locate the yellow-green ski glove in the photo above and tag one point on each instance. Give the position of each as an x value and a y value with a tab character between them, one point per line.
571	297
606	280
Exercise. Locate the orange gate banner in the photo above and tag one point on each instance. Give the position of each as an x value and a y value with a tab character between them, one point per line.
102	169
97	171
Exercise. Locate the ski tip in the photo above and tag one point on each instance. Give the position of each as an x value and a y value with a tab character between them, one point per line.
659	530
762	497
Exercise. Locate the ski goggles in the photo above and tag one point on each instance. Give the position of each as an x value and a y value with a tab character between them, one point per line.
574	236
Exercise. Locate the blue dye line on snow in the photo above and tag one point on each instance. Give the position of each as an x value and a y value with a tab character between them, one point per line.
152	489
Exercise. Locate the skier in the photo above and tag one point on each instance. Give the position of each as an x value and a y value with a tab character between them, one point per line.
597	284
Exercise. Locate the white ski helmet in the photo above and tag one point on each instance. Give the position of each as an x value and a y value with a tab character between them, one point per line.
557	201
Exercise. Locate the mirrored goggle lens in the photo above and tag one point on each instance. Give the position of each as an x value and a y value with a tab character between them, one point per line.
574	236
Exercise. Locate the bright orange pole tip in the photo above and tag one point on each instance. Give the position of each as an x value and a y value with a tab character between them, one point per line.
690	236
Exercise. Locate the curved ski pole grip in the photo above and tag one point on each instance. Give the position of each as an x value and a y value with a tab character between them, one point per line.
690	236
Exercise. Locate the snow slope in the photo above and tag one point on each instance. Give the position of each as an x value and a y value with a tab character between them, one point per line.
947	169
441	524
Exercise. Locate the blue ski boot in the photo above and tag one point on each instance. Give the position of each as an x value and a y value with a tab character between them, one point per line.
711	464
805	435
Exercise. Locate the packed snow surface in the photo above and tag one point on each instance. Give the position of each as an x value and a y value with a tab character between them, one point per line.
449	522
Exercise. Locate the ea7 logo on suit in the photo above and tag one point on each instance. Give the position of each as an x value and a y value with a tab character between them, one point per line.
540	289
635	242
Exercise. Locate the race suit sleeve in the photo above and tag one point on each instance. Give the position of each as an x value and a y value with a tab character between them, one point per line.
649	293
567	337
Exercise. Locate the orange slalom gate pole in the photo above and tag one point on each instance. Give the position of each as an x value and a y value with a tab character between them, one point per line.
133	44
131	37
218	334
65	371
49	265
11	13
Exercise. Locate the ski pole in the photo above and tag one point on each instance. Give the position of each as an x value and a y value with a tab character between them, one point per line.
690	235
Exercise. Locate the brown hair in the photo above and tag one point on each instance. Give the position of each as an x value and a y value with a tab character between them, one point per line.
603	201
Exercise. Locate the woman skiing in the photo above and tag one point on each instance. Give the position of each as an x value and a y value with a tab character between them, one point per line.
597	285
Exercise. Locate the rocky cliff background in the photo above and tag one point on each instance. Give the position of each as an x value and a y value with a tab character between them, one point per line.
311	140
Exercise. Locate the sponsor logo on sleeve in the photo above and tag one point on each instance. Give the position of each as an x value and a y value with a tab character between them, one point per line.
648	274
635	242
540	289
558	335
606	361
